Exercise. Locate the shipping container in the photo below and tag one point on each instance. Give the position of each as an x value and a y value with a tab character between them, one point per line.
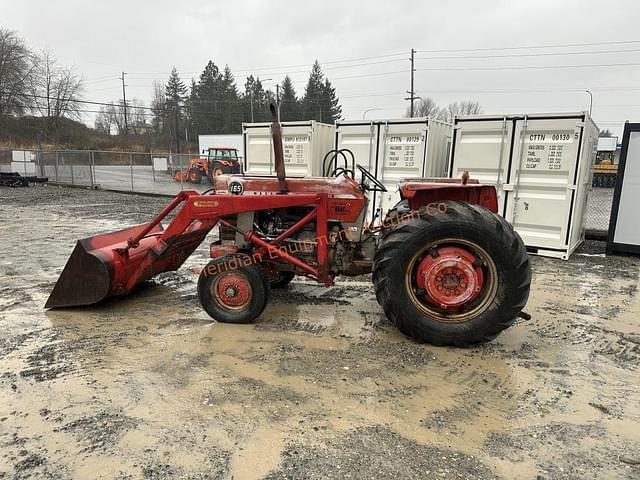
219	140
25	169
624	228
23	156
396	149
541	167
305	145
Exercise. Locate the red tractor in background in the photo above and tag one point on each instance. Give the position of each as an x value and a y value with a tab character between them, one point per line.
218	161
447	269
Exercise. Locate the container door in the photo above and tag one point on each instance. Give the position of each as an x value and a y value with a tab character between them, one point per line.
483	149
401	154
259	151
296	141
361	140
543	180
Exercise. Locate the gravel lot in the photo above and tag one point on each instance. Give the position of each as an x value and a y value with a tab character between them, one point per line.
321	387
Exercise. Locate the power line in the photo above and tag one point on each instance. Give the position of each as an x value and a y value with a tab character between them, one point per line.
530	67
544	54
282	67
531	47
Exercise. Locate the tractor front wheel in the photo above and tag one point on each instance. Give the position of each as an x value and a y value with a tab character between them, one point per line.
458	276
233	289
195	175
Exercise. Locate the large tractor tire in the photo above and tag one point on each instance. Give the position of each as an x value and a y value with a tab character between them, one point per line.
457	276
215	169
231	289
195	175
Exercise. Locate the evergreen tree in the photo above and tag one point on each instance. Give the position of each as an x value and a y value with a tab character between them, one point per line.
289	108
232	109
256	100
320	101
311	102
331	104
175	93
207	118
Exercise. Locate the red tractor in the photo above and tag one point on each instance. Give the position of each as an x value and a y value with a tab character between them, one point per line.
446	268
218	161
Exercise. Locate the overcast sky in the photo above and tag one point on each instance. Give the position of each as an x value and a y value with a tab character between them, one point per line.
146	39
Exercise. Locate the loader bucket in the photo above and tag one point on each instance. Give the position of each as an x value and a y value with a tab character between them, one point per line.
88	276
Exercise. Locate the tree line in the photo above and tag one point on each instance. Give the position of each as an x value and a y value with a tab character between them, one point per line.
427	107
36	83
213	104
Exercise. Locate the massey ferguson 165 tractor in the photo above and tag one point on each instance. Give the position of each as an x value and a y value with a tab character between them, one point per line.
446	268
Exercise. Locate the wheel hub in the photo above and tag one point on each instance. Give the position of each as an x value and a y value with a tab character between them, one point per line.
234	290
449	277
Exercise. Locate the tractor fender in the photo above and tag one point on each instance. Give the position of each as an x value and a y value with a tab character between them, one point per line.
422	193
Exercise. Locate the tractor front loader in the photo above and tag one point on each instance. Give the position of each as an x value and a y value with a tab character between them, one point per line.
446	268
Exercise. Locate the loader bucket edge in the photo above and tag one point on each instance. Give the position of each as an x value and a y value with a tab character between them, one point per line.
88	275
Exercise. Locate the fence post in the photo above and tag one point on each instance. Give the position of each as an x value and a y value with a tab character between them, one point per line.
131	166
71	165
91	170
56	166
153	167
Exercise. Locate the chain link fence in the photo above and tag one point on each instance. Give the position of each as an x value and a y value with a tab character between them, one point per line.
155	173
598	211
122	171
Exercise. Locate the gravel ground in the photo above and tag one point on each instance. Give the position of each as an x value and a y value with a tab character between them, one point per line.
322	386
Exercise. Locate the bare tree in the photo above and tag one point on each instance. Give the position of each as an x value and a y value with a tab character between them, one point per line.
112	115
158	107
16	65
425	107
465	107
56	90
105	120
470	107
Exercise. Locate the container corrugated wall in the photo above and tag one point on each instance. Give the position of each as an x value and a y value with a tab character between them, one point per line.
541	167
304	143
393	150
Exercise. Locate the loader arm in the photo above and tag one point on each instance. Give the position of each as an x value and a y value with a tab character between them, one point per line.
114	264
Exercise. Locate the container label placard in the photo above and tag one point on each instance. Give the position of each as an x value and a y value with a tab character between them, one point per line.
402	150
548	150
294	147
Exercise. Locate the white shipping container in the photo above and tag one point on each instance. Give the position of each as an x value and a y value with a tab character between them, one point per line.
607	144
393	150
23	156
541	167
219	140
26	169
305	145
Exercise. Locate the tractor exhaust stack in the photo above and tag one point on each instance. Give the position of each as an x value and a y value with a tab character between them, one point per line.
278	150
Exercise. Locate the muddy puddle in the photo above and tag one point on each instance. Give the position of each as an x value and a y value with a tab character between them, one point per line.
323	386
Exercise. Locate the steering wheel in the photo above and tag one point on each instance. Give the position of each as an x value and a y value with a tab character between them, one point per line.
377	186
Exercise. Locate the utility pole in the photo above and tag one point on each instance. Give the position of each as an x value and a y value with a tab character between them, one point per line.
177	131
124	101
278	100
412	93
251	95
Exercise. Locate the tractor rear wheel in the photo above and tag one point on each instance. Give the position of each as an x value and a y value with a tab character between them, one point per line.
456	277
232	289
